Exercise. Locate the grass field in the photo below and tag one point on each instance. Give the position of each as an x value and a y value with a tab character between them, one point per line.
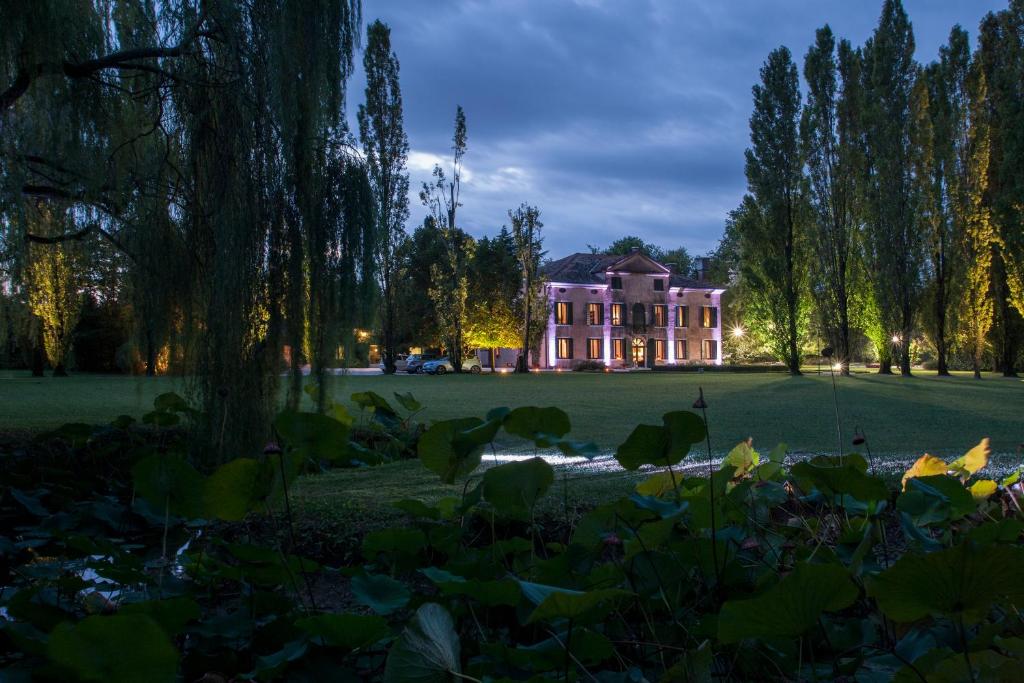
900	416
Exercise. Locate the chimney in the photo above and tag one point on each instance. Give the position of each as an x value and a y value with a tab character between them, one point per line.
703	266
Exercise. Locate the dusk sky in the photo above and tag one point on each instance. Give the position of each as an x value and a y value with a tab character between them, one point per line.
615	117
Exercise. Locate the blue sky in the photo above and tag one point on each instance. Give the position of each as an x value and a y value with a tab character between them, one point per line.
615	117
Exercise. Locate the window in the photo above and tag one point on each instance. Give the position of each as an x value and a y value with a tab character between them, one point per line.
681	349
594	350
616	282
618	350
618	314
595	314
709	350
659	349
564	348
659	285
563	313
709	316
660	315
682	316
639	315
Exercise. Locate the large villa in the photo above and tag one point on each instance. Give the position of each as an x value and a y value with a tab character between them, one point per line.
628	311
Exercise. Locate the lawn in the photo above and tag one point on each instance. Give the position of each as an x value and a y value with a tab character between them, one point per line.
943	416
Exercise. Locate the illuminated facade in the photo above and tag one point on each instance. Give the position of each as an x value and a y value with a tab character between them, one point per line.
628	311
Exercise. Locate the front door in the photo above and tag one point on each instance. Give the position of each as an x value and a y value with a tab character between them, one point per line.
639	352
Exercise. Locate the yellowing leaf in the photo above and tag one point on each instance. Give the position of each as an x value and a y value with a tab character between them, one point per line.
926	466
974	459
982	489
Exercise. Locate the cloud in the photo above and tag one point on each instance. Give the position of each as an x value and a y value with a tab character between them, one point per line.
614	117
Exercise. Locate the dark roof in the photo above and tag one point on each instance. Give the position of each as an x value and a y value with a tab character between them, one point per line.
579	268
584	268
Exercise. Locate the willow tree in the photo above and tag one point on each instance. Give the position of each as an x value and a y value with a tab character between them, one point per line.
53	282
449	286
893	245
772	242
828	138
225	122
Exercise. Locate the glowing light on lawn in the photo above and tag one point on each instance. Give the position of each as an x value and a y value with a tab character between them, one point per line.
895	339
738	332
838	367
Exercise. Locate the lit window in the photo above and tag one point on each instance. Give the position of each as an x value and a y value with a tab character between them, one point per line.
682	316
563	313
660	315
594	350
709	316
595	314
618	313
659	285
659	349
681	349
709	350
616	282
564	348
618	350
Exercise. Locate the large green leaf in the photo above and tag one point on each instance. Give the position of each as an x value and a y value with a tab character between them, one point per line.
840	476
345	631
371	400
645	445
515	487
115	649
234	488
487	592
446	450
683	430
742	457
428	650
172	614
530	422
167	479
966	579
380	593
664	445
313	435
579	606
790	607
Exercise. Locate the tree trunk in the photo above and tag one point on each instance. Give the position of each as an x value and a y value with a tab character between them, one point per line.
905	340
389	335
1010	325
884	362
844	338
60	371
150	355
941	350
522	363
38	360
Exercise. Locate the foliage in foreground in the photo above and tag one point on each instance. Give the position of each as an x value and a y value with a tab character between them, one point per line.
121	562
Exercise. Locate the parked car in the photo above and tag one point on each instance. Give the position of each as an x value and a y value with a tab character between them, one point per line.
444	365
401	360
414	363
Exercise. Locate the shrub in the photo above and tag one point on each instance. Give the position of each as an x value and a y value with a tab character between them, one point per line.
588	366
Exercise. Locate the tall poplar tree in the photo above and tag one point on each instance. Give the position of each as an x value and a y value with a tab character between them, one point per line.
526	228
771	240
386	148
978	236
827	131
449	278
1001	55
893	245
